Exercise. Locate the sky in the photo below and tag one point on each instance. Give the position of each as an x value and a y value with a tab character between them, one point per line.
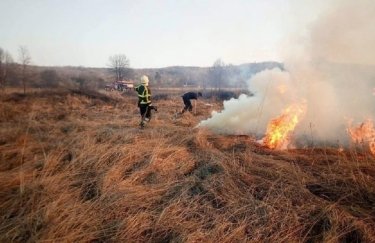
154	34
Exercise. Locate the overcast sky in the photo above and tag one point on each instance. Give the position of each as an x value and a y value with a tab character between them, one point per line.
156	33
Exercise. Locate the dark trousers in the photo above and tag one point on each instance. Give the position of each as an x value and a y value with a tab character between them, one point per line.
145	111
188	105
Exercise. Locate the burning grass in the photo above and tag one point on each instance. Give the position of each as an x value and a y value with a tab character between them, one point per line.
75	167
279	129
364	134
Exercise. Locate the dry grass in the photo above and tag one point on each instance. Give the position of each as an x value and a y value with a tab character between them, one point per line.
76	168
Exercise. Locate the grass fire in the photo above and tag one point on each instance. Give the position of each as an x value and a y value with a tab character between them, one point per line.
364	134
279	129
76	167
276	144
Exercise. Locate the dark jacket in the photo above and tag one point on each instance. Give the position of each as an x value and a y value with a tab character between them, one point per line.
144	94
190	95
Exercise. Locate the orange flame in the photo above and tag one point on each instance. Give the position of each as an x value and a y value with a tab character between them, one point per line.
364	133
279	129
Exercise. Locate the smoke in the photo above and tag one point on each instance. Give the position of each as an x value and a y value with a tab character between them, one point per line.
333	75
272	89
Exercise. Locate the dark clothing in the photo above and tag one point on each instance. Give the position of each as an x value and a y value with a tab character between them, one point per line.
144	103
145	111
144	94
186	98
190	95
188	105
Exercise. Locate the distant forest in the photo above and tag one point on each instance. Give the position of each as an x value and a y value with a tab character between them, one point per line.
219	76
233	76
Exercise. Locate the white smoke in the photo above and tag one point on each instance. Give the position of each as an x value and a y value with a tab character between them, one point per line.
273	90
334	74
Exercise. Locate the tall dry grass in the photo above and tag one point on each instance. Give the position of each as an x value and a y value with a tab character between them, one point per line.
75	167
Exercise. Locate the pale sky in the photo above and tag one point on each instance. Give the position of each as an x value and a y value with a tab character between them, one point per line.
154	34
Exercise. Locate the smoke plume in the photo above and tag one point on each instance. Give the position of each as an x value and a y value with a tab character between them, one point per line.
333	75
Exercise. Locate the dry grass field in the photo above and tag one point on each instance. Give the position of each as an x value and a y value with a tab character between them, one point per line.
75	167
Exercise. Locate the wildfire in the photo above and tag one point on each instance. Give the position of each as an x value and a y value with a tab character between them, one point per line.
282	89
364	133
279	129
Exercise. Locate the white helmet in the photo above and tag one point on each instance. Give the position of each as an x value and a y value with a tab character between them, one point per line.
144	80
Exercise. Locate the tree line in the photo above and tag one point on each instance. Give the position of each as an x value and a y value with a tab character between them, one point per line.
22	73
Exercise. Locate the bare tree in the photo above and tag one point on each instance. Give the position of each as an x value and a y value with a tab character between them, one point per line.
157	78
24	59
5	63
119	65
217	74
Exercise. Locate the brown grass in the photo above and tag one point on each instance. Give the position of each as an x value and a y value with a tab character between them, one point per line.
75	167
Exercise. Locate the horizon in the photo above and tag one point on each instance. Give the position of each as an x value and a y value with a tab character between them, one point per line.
135	68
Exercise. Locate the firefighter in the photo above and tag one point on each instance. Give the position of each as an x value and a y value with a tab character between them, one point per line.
187	97
144	101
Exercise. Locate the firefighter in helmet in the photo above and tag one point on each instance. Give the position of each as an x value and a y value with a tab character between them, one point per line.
144	100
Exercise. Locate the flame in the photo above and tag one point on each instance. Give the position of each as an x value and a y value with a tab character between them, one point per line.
364	133
282	89
279	129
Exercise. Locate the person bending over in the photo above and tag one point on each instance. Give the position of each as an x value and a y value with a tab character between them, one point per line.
187	97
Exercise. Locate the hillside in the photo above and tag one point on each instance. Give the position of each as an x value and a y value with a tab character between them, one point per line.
75	167
97	78
236	75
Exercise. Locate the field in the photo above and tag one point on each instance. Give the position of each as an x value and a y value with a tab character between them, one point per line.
75	167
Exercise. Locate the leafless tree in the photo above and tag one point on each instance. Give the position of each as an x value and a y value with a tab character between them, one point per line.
217	74
5	64
157	79
24	59
119	65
